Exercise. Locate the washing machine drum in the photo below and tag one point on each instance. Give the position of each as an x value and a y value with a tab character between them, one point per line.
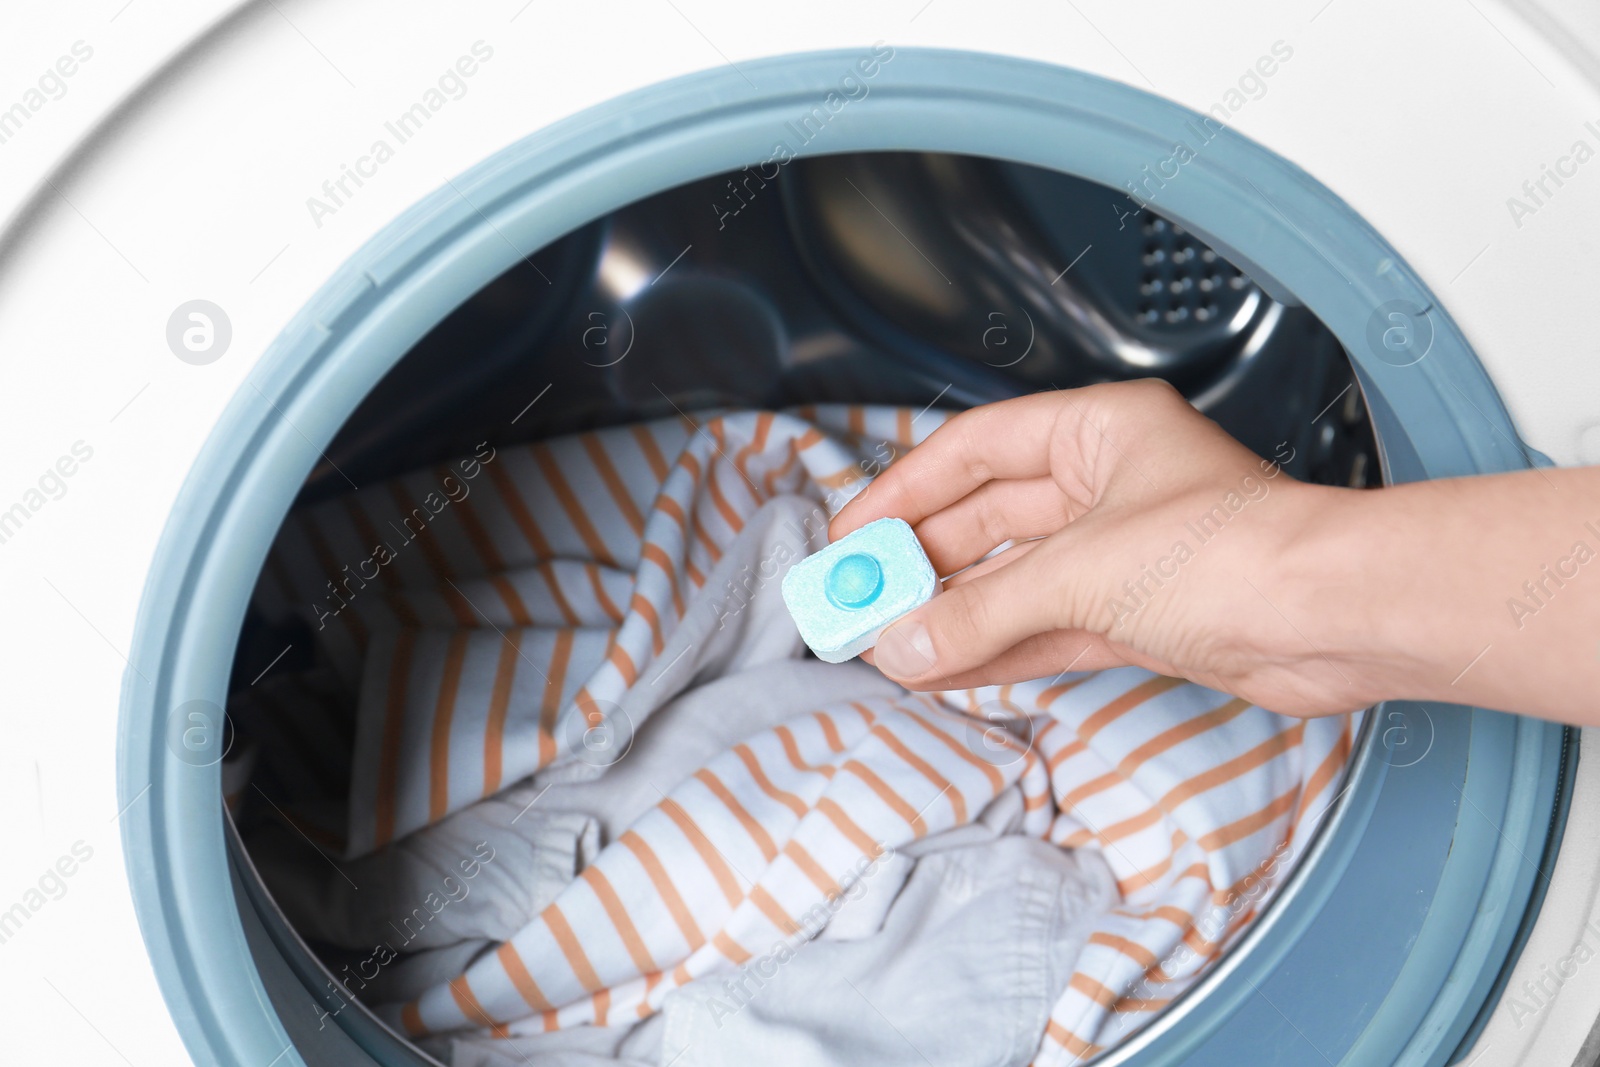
566	290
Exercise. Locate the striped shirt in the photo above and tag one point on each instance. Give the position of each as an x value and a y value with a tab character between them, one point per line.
491	611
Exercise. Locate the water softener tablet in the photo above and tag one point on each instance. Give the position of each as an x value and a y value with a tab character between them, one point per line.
843	597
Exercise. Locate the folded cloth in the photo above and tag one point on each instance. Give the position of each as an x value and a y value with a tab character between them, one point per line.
757	846
508	860
1198	802
965	970
410	974
690	731
588	1046
527	612
525	844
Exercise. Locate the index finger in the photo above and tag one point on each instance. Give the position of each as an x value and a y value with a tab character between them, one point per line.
1006	439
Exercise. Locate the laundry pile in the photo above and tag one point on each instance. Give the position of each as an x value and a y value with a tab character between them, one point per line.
588	799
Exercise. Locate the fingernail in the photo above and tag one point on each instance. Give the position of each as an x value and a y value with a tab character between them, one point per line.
905	651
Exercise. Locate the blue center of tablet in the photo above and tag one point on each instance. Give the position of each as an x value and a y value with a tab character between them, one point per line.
855	581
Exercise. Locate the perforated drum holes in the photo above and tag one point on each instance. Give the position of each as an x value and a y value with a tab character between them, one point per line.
1400	332
199	332
1183	276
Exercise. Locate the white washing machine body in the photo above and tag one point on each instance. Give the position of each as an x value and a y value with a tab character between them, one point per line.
241	154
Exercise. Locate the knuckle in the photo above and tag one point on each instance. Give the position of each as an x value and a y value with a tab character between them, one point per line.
1157	392
991	523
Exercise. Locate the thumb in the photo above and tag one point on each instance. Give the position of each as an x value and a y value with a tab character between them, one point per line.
971	623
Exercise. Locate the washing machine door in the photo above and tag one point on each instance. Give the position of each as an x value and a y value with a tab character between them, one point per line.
1391	944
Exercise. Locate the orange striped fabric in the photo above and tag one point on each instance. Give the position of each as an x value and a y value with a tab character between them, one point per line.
586	552
720	870
1199	805
491	611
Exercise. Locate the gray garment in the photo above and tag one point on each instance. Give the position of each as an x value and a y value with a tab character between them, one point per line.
405	978
695	728
963	939
970	959
867	904
638	1045
416	894
729	671
479	873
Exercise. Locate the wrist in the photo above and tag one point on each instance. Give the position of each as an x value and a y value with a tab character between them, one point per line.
1357	576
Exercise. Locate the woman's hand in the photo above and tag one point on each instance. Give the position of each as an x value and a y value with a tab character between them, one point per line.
1143	534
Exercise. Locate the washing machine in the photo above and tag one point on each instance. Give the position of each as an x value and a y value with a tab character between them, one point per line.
248	251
